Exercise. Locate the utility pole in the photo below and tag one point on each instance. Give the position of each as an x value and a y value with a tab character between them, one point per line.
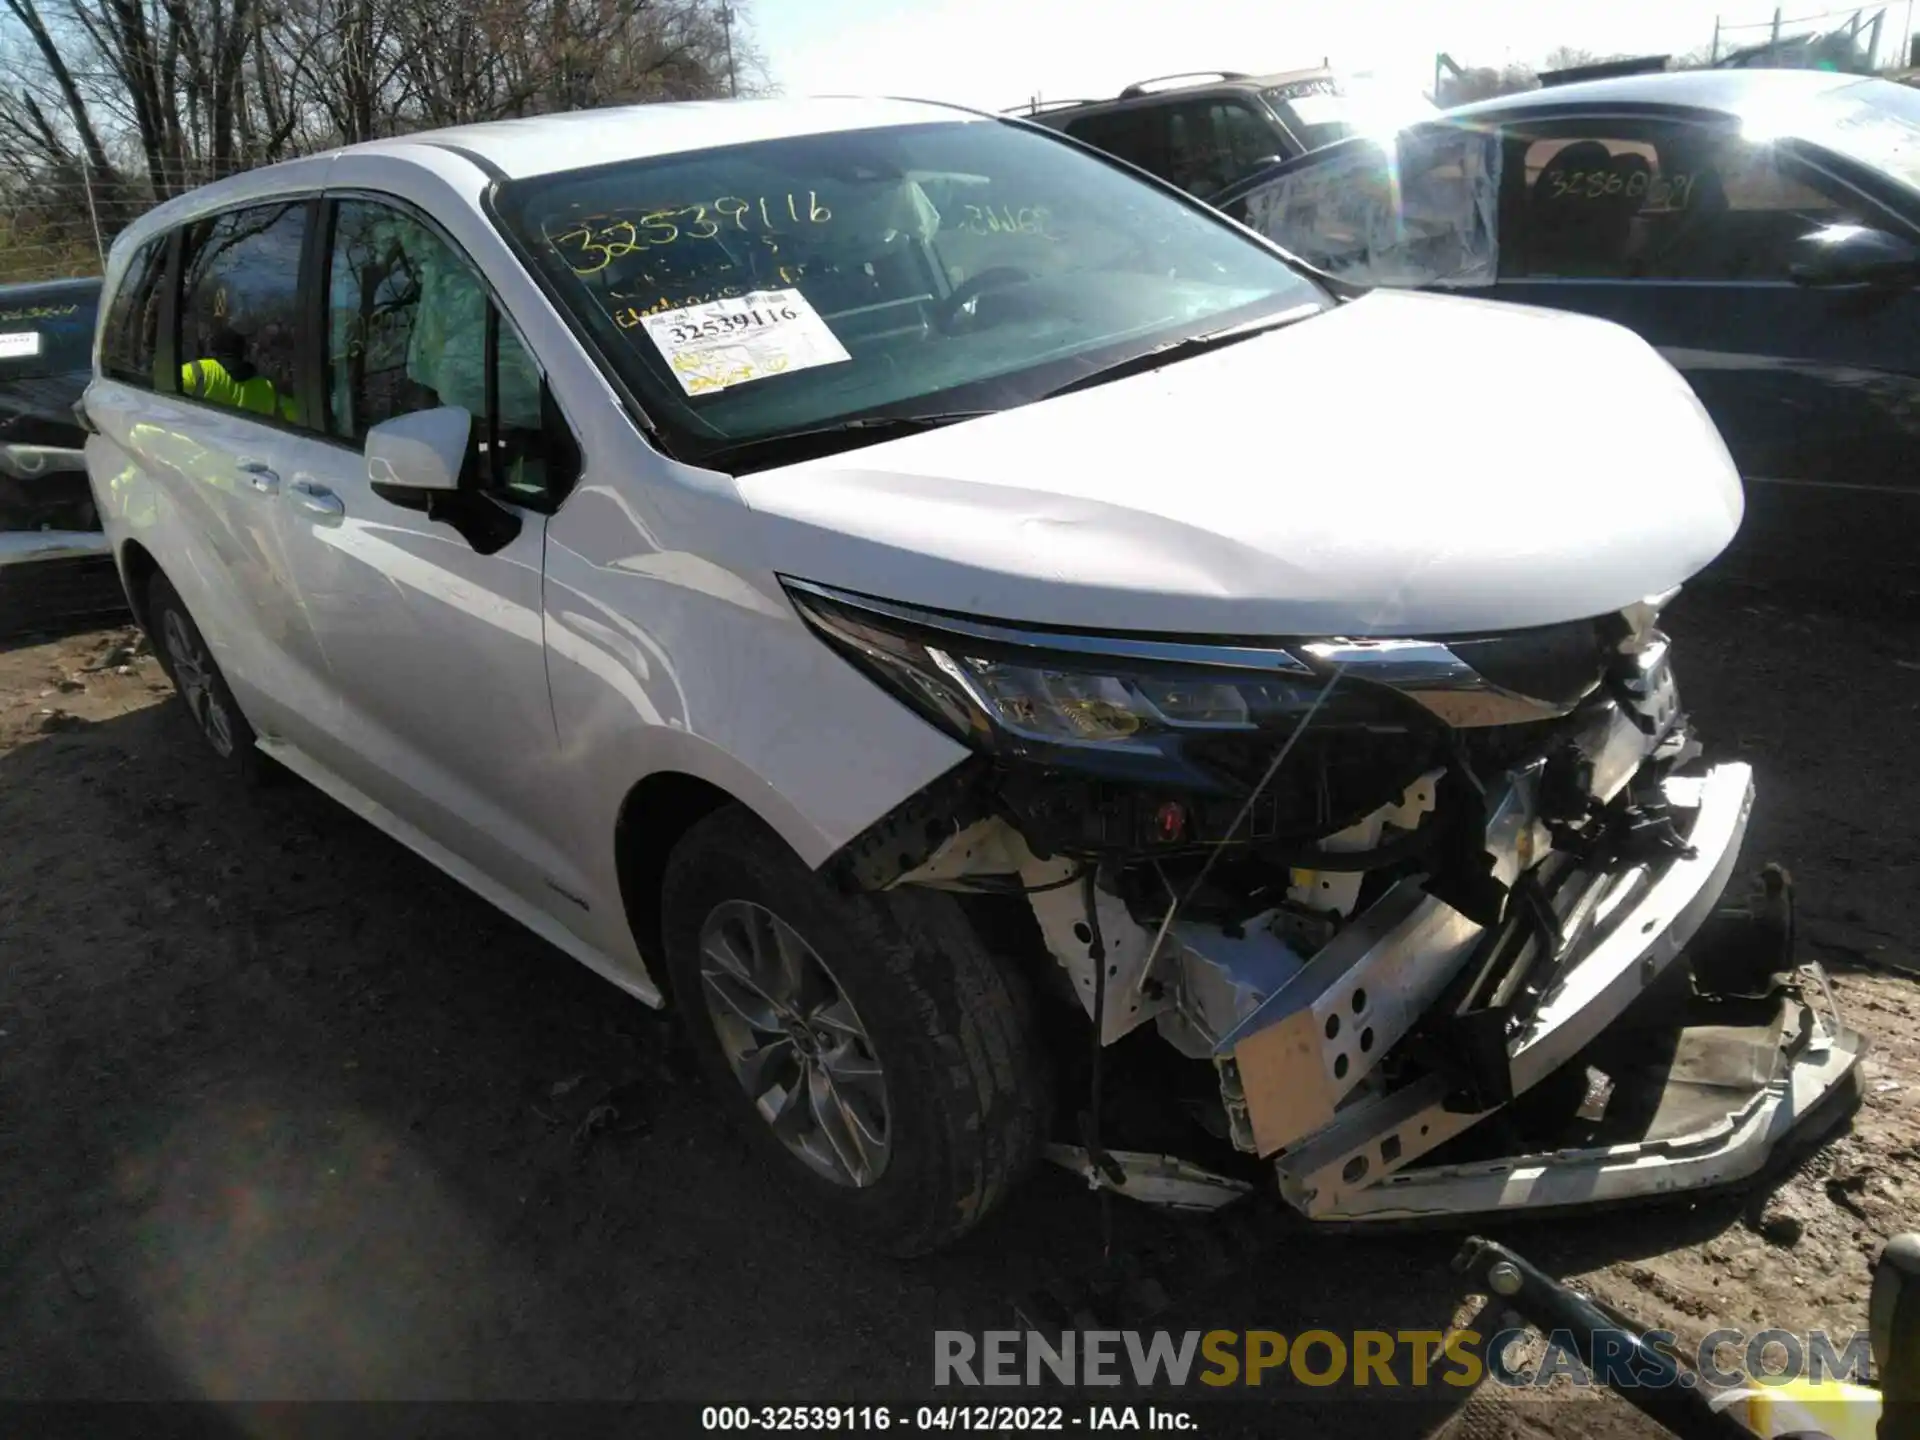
726	24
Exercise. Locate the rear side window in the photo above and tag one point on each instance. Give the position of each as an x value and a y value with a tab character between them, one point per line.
129	343
239	309
1136	136
1664	200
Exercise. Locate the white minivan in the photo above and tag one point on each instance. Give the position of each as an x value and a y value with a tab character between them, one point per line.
1024	666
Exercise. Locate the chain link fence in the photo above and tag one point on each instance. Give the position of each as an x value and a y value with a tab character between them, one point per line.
58	222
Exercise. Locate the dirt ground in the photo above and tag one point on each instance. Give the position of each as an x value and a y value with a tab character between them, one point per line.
284	1113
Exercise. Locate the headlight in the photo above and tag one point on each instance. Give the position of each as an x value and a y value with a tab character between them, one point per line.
1008	689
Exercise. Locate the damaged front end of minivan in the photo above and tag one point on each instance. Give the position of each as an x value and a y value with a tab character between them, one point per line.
1421	927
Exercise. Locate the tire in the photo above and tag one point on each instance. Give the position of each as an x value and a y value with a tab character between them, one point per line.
183	653
962	1094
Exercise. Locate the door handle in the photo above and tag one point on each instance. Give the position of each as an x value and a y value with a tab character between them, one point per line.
317	500
261	477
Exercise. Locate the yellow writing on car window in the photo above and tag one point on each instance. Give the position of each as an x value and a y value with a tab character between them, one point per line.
1665	193
631	316
1671	193
39	312
597	241
1003	220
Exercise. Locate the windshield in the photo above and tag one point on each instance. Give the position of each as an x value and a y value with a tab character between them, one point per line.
790	284
1877	123
1317	111
45	336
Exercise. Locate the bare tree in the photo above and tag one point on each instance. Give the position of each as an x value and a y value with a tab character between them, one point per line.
116	104
1483	82
1570	57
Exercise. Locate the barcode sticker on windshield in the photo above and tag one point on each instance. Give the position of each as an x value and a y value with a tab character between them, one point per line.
19	345
724	343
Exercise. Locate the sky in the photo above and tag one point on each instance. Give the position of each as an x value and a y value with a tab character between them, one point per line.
996	53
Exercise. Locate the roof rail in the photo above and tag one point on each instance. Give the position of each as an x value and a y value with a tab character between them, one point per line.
1035	107
1140	87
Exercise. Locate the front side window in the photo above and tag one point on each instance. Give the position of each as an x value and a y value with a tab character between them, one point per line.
767	288
412	326
129	342
239	332
1212	143
1662	200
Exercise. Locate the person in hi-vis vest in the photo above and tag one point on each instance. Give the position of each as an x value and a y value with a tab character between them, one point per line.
225	376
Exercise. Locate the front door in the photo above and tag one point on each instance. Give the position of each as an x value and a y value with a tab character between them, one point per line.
432	628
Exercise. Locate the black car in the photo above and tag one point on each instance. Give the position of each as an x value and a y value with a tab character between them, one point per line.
1761	228
54	562
1204	131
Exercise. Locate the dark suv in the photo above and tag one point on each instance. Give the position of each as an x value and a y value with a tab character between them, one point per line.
54	562
1206	130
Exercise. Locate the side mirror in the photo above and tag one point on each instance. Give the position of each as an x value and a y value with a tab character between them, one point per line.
1855	255
414	457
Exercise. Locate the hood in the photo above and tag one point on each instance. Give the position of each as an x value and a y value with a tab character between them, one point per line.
1405	464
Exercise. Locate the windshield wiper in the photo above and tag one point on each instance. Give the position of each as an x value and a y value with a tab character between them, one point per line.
1185	349
794	445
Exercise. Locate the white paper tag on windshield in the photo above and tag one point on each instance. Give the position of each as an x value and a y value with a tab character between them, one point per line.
19	345
749	337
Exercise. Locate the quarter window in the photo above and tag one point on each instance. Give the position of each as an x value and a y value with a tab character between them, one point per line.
239	333
1419	211
130	339
411	326
1137	136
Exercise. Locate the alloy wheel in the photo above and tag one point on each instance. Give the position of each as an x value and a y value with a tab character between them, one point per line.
193	672
795	1043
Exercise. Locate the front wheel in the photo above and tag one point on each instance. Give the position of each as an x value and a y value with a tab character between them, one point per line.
872	1050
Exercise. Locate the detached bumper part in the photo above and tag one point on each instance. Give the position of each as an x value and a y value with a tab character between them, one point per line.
1719	1149
1361	1165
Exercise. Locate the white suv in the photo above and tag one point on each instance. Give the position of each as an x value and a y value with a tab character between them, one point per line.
946	610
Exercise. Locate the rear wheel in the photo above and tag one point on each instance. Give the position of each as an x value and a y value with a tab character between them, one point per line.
182	652
875	1054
